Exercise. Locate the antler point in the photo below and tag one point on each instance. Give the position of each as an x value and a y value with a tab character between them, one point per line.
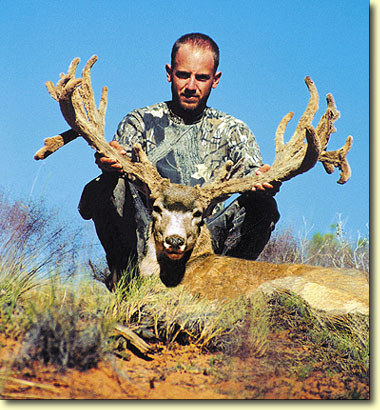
308	80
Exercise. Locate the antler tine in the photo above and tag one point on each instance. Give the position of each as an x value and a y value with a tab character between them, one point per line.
307	117
296	157
87	96
338	158
52	144
279	136
143	169
325	126
61	92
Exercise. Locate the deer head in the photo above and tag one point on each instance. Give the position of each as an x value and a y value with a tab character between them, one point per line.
178	231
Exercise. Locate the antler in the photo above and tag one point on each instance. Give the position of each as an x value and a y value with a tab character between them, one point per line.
78	106
338	158
77	102
294	157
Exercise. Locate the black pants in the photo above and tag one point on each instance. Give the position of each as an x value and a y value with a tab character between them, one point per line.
121	219
243	228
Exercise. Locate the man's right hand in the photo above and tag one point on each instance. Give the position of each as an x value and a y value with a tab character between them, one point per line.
107	164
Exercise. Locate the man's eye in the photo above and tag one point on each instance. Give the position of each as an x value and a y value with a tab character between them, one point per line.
202	77
181	74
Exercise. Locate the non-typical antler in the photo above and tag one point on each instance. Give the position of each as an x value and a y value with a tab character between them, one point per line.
294	157
338	158
76	100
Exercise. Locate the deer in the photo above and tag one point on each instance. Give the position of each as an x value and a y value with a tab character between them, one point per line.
179	249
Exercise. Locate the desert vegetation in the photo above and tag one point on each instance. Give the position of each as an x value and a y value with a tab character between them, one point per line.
58	323
333	249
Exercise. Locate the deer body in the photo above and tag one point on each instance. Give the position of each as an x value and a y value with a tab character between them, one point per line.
217	277
222	278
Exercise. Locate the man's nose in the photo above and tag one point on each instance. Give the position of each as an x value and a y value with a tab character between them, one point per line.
191	84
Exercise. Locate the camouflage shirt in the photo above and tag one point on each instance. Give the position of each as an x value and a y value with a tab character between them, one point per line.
189	154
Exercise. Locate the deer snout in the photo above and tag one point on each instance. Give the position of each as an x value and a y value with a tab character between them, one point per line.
174	241
174	247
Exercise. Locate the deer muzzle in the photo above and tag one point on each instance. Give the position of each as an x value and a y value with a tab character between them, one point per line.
174	247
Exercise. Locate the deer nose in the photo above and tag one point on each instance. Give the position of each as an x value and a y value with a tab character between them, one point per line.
174	241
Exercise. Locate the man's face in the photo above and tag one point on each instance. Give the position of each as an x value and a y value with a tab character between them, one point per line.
192	77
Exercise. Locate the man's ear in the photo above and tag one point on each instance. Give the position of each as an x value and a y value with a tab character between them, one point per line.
168	73
216	79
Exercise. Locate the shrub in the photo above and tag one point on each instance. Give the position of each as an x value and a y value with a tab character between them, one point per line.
66	337
334	249
33	246
33	239
281	248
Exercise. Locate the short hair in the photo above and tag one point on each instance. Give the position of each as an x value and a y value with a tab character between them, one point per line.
197	40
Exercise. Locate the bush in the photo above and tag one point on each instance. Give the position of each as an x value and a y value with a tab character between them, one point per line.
34	245
281	248
32	238
66	338
333	249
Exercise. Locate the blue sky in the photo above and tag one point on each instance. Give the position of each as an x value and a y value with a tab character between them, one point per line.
267	48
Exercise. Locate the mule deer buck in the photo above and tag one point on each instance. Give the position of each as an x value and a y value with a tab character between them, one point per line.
179	248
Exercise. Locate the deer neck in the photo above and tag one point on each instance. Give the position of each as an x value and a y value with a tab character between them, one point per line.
203	246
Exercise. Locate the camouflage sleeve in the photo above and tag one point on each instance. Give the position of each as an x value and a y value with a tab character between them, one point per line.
130	130
243	148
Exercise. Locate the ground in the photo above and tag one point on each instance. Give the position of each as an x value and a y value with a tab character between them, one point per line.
185	372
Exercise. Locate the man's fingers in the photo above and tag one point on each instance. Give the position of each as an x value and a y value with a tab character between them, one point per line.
108	164
262	187
116	145
107	161
263	168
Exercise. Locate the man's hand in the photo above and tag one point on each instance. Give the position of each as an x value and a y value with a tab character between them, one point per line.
265	185
107	164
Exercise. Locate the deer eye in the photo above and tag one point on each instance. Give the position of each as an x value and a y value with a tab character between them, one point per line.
157	209
197	214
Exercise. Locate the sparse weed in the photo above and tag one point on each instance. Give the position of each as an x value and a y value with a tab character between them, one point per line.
63	328
168	314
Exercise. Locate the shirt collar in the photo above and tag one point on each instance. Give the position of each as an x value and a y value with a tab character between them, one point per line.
179	120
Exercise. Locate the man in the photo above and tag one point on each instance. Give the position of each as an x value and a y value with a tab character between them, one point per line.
187	141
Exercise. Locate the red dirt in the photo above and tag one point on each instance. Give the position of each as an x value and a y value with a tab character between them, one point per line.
181	372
